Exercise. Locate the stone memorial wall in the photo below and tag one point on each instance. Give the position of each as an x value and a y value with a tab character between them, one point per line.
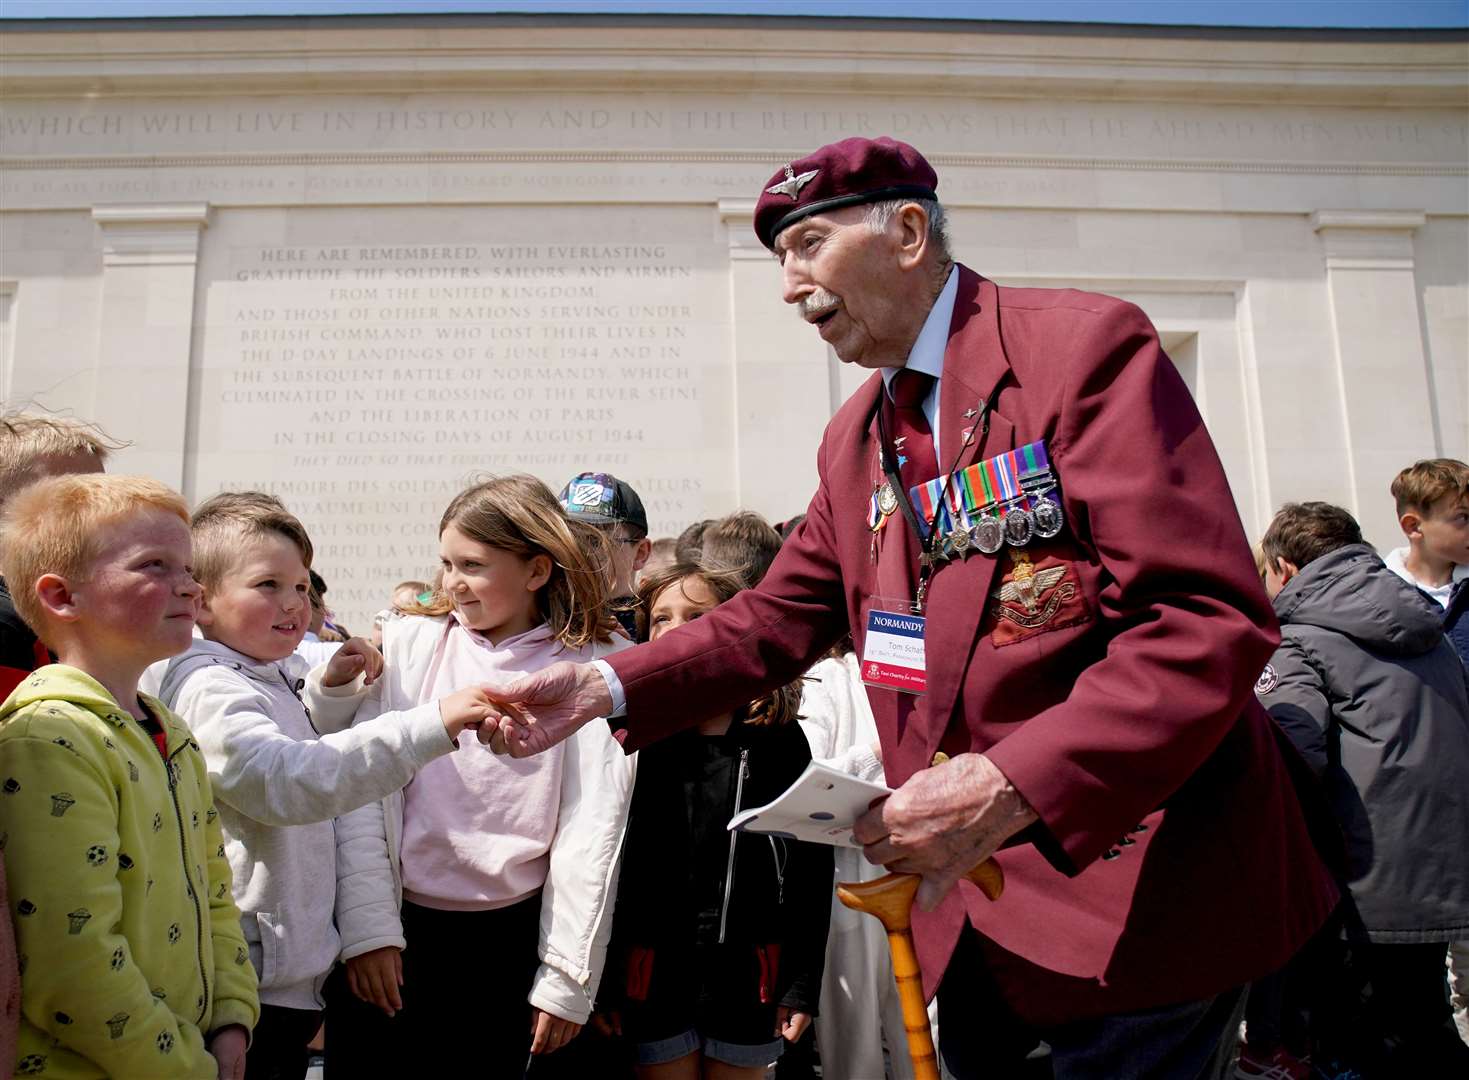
367	383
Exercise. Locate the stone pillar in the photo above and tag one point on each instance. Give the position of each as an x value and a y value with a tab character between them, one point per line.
1380	363
782	390
149	255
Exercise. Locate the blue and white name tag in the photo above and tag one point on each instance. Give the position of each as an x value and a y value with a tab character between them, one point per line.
892	653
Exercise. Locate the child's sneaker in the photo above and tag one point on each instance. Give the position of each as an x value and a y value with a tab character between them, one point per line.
1280	1065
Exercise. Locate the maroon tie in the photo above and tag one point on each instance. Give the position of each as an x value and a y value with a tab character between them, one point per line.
912	437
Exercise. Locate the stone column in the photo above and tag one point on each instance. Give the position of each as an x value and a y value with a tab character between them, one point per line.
149	255
1380	360
782	389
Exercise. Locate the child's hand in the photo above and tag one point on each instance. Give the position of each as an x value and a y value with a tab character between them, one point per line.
356	657
227	1045
374	977
467	708
789	1024
609	1023
549	1033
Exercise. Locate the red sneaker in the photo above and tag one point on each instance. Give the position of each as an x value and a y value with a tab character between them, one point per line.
1281	1065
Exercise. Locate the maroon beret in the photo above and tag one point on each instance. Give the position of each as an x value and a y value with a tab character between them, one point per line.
847	173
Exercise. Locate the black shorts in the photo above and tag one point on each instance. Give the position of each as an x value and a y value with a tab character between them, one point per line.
705	997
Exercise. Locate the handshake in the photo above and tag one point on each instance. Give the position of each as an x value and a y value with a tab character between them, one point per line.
521	718
531	714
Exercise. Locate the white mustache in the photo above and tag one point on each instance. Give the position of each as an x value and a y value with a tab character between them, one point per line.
818	303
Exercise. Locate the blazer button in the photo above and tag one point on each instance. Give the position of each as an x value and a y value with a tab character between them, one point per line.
939	758
1110	855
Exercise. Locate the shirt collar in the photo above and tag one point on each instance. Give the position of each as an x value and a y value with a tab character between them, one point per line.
927	354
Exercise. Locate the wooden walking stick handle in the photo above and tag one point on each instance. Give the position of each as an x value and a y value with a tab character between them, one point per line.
890	899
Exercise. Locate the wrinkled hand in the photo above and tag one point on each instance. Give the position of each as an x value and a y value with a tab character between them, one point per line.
540	710
356	657
942	822
374	977
227	1046
549	1033
791	1025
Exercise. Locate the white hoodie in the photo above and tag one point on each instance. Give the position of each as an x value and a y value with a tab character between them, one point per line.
280	775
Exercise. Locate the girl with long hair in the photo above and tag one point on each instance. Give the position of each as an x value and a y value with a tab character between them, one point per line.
477	901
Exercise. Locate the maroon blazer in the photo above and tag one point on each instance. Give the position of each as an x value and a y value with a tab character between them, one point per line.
1171	860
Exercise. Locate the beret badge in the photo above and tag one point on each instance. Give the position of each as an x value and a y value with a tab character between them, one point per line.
792	184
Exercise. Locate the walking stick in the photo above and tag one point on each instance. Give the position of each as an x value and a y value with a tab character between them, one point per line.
890	898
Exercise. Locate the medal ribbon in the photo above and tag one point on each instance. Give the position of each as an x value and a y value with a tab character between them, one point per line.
1004	478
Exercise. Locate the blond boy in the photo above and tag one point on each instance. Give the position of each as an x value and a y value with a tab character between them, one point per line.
281	772
132	959
32	447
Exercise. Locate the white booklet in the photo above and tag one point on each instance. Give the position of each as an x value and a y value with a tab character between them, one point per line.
820	807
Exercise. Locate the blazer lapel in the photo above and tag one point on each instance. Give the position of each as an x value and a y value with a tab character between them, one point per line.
974	368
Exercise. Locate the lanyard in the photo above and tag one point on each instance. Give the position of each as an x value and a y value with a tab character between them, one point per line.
925	530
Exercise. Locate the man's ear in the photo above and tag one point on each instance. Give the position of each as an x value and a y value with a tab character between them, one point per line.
1286	569
641	554
912	239
1411	523
541	566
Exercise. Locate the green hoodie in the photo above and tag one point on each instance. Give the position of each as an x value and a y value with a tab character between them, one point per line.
130	943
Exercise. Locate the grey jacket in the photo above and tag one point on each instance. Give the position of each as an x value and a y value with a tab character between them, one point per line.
1372	693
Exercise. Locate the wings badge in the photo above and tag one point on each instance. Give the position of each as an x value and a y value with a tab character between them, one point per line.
1031	598
792	184
1026	590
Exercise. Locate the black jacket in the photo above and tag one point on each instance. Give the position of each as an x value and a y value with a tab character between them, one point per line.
674	891
1374	696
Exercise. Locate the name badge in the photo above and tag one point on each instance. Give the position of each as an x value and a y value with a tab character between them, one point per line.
892	653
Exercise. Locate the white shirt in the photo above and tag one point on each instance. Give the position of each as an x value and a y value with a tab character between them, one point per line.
927	356
1397	562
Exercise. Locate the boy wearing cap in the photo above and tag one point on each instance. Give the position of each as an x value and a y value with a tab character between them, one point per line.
612	505
1089	644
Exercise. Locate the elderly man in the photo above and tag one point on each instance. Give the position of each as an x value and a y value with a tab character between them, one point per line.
1025	488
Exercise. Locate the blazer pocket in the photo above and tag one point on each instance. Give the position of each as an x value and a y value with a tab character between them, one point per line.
1040	591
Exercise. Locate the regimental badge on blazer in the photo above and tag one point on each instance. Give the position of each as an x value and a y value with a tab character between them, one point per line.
1035	597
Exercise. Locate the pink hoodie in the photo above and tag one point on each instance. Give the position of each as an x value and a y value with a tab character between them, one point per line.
478	826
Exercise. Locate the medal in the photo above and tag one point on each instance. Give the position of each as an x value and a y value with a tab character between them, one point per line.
987	535
1047	517
1019	526
887	498
959	539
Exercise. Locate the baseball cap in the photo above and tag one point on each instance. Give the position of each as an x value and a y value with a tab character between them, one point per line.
601	499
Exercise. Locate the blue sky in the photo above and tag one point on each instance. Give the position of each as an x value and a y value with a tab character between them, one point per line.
1367	14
